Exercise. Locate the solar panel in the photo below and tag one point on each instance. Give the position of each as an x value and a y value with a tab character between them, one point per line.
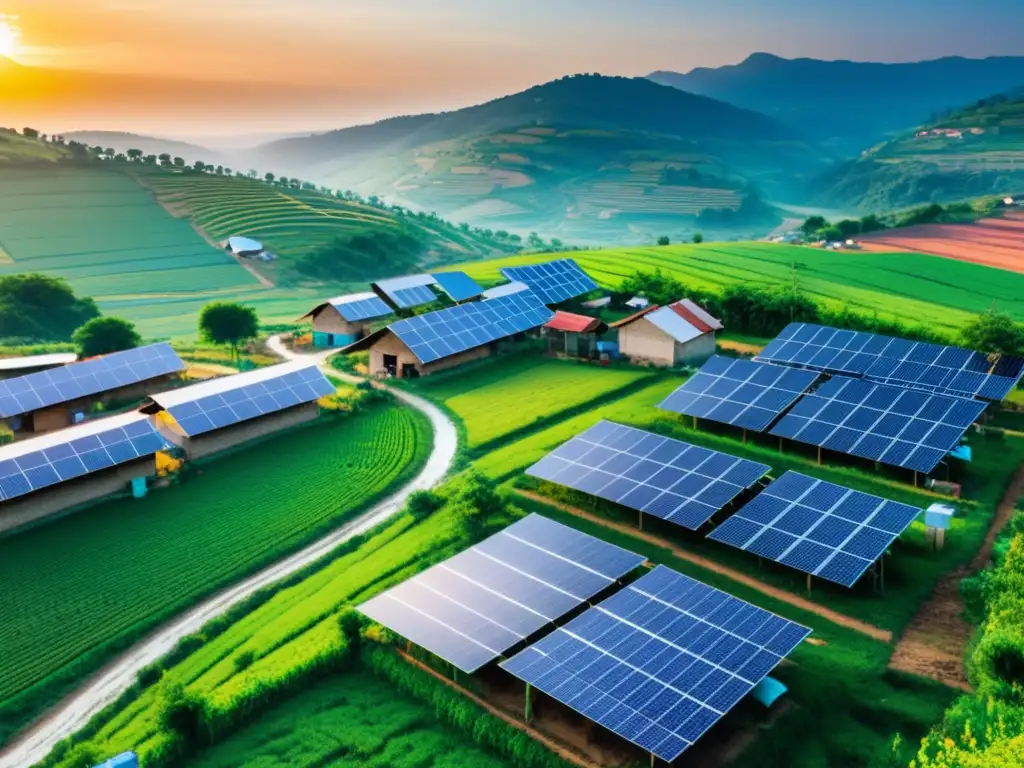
661	661
458	285
475	606
675	481
505	289
228	400
743	393
553	281
89	377
408	292
901	427
932	367
30	465
440	334
360	306
817	527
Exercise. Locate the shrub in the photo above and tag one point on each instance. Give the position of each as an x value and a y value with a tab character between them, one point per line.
422	504
244	660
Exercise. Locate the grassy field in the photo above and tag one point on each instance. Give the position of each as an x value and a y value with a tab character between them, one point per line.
913	288
513	394
88	578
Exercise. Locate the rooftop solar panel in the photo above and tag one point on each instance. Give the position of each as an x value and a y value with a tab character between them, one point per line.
408	292
932	367
675	481
458	285
472	608
360	306
817	527
228	400
440	334
553	281
30	465
661	661
743	393
901	427
88	377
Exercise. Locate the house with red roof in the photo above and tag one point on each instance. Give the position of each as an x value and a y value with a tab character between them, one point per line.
682	333
572	335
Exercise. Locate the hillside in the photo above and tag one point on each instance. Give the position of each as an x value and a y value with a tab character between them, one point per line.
850	105
150	145
972	152
588	158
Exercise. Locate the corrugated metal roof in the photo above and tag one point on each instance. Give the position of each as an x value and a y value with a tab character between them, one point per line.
37	361
703	314
221	384
689	317
674	325
398	283
506	289
62	436
244	244
572	323
633	318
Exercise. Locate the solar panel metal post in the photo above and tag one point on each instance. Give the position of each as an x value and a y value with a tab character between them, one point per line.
640	519
694	422
780	445
915	478
528	712
809	583
819	455
744	437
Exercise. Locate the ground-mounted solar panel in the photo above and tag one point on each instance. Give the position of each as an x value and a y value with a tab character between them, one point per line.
408	292
817	527
669	479
901	427
458	285
39	462
661	661
889	360
743	393
472	608
436	335
86	378
554	281
229	400
360	306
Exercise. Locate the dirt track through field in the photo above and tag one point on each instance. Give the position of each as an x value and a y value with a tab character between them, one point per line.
935	642
779	594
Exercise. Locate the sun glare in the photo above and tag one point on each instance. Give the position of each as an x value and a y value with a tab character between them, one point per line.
9	35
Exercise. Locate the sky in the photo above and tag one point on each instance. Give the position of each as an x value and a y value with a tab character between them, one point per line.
328	63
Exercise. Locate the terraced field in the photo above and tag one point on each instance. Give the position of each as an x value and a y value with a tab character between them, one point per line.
91	577
912	287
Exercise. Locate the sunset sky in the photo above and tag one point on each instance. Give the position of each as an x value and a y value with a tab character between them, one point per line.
354	60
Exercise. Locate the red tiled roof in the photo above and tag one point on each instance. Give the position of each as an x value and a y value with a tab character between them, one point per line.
570	323
691	318
634	317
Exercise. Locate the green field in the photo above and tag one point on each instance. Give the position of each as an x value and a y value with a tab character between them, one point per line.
88	578
512	394
912	288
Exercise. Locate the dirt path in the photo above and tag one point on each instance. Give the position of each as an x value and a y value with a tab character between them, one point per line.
533	733
111	681
741	347
935	642
779	594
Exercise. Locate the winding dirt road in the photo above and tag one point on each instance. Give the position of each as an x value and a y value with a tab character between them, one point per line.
105	686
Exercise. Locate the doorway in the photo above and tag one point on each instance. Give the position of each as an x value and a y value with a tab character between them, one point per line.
391	365
409	371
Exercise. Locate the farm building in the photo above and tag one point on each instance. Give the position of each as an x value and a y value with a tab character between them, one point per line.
220	413
11	367
436	341
54	398
345	320
573	335
679	334
244	247
51	473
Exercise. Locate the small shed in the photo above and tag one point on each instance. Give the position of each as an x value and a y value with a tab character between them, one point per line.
682	333
572	335
344	320
638	302
390	357
244	247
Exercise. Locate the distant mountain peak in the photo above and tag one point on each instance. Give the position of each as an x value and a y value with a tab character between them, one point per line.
761	57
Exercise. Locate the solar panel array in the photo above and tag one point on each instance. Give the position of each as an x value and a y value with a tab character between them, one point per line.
902	427
661	661
458	285
239	397
941	369
408	292
743	393
361	306
76	451
553	281
675	481
472	608
437	335
89	377
817	527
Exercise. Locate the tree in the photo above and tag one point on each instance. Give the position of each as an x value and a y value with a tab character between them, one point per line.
813	225
150	160
995	332
179	162
831	234
41	308
103	335
664	240
30	133
224	322
849	228
871	223
165	159
134	154
199	165
698	238
269	178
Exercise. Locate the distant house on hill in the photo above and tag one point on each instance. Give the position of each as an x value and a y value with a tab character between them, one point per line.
572	335
245	248
680	334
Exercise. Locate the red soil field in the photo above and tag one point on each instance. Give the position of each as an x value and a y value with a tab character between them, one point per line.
993	242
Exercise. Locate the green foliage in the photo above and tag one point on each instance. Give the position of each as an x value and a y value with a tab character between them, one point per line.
664	240
244	660
223	322
995	332
103	335
422	504
698	238
364	256
185	715
36	307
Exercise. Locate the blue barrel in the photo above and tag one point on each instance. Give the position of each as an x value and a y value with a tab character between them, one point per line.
124	760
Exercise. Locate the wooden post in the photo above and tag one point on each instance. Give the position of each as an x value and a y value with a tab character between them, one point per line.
819	455
744	437
694	422
528	714
808	583
652	760
640	519
408	647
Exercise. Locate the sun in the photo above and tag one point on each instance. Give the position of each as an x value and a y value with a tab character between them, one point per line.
9	36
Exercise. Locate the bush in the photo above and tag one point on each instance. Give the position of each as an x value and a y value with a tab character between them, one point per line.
185	716
422	504
244	660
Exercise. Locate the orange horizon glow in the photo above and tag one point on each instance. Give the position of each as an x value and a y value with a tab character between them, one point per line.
10	36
